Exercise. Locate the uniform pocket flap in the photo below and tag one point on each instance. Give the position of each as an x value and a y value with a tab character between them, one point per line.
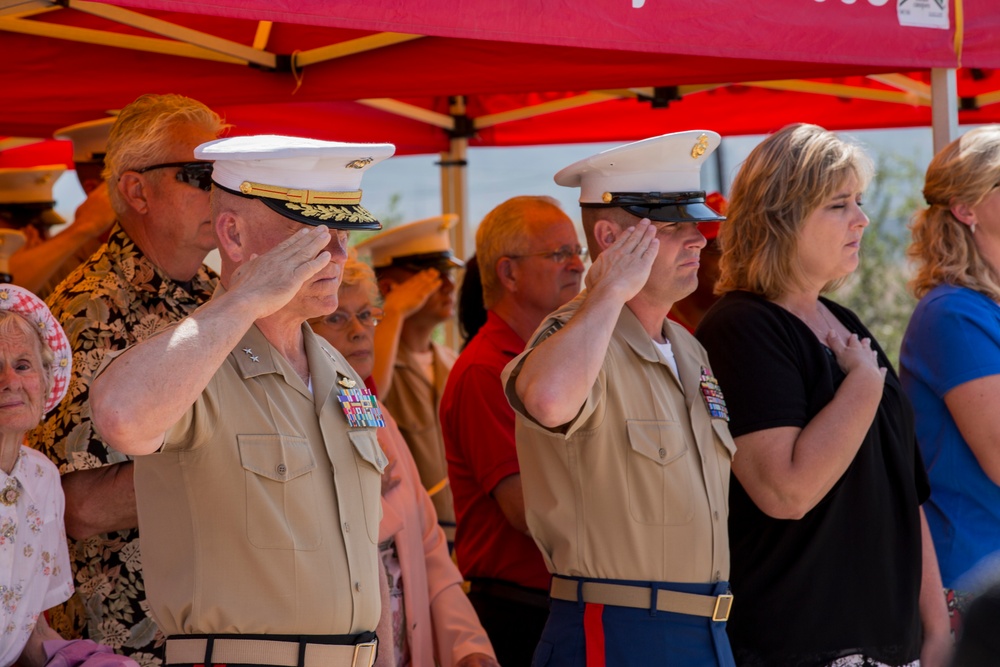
722	431
655	439
366	445
277	457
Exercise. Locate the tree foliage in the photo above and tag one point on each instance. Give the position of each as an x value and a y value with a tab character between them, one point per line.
877	291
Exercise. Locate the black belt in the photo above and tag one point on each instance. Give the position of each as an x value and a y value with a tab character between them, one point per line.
504	590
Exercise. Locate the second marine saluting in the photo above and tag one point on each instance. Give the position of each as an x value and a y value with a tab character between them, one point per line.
621	431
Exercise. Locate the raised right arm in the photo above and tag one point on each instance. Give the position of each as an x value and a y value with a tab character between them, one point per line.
556	378
150	386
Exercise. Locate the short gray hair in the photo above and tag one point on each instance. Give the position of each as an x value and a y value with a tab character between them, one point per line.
502	233
141	135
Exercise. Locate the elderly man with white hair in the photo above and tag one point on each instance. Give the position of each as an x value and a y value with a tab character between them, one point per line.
257	469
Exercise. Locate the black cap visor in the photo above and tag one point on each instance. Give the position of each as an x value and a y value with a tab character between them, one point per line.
662	206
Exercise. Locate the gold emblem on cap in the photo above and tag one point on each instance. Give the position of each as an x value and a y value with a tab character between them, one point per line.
359	164
607	197
246	187
700	147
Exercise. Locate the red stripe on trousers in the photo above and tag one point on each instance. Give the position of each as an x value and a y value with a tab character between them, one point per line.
593	634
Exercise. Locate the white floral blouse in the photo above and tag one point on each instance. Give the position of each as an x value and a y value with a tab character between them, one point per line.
34	561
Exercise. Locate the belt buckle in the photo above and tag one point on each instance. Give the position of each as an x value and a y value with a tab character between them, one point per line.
725	604
357	649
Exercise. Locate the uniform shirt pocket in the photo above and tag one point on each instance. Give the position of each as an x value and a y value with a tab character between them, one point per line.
370	468
281	508
659	475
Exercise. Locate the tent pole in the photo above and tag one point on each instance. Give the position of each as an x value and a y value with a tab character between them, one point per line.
944	106
453	198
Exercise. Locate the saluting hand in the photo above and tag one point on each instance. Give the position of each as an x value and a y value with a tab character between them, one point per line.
95	214
409	296
623	267
269	281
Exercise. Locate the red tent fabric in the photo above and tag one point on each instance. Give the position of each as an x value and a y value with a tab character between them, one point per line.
805	31
474	47
499	57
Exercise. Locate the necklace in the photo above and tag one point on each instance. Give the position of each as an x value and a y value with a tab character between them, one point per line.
822	313
818	331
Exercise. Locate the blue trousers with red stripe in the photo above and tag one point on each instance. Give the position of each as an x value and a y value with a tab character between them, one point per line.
579	634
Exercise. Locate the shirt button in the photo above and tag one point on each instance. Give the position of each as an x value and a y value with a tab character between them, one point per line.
282	469
717	575
357	586
347	527
716	515
662	453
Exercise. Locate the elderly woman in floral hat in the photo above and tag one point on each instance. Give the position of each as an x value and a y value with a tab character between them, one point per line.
35	361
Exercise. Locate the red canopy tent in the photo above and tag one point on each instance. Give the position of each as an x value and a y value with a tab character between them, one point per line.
435	76
322	50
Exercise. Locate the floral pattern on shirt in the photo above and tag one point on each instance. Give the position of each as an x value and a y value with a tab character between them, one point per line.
115	299
34	565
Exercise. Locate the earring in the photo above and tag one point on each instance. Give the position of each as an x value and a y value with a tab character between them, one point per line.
973	227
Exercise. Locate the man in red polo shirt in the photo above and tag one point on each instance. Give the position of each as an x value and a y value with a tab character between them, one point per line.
531	262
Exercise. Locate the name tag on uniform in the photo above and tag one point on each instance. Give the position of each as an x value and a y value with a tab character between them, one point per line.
712	393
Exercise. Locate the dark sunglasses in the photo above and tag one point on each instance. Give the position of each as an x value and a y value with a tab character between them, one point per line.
197	174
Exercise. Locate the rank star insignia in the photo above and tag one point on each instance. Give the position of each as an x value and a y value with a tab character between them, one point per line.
253	357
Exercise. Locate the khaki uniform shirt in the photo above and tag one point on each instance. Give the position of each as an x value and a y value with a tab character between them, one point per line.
415	403
260	513
637	485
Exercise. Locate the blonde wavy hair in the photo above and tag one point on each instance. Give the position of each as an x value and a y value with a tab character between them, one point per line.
784	179
943	248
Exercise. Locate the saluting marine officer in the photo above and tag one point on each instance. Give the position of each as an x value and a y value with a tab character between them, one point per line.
257	469
622	429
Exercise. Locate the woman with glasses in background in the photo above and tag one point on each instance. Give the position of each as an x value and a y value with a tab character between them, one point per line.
433	621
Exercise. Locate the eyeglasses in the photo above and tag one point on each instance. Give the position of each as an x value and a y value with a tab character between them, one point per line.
560	256
367	318
197	174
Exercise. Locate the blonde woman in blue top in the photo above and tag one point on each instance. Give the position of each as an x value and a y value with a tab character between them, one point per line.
950	360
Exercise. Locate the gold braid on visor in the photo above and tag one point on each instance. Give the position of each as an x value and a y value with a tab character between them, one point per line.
300	196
